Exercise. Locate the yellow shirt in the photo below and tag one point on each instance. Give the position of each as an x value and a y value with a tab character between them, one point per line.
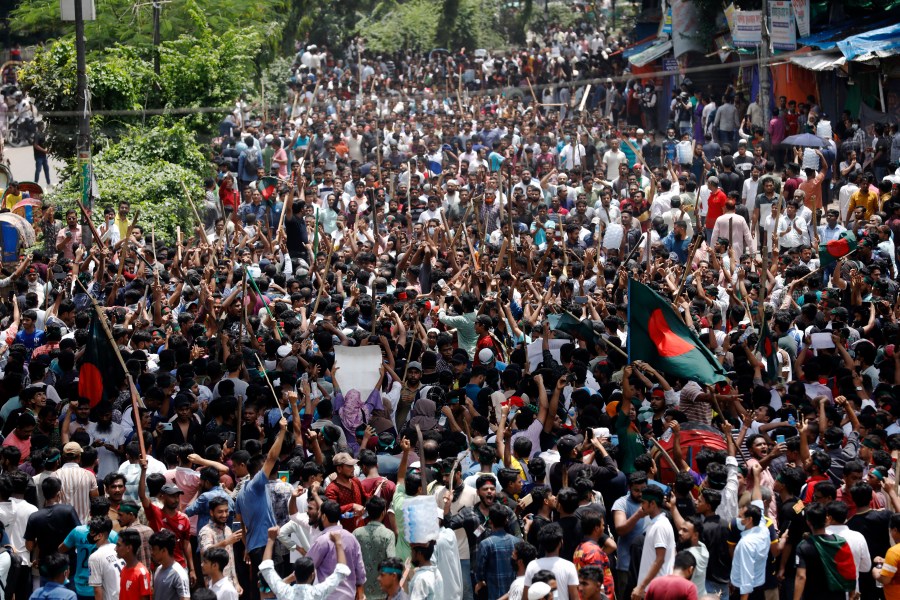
889	569
122	224
12	200
868	200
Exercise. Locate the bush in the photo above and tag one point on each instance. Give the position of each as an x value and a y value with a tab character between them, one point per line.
146	168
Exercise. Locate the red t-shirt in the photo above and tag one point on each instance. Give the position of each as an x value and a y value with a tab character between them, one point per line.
347	497
716	208
179	524
134	583
671	587
485	341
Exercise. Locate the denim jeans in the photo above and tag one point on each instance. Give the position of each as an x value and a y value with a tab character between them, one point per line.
41	162
714	588
466	567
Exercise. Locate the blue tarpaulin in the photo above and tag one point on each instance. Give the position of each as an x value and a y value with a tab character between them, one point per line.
828	38
878	42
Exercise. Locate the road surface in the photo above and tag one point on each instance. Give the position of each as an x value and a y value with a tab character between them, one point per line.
21	162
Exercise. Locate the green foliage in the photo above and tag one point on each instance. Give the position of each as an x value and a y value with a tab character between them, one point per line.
417	26
118	80
160	143
132	21
145	168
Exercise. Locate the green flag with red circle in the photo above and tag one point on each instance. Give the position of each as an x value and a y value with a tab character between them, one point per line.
100	368
658	336
839	247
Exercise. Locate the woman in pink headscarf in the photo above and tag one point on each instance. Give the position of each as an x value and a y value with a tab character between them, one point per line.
352	411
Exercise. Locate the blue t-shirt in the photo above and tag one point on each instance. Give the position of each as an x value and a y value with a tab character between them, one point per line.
78	539
255	508
627	505
30	340
54	591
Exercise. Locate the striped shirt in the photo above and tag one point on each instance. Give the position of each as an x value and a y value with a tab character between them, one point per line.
77	485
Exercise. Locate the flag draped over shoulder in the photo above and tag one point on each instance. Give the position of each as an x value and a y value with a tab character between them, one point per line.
841	246
99	366
658	336
837	558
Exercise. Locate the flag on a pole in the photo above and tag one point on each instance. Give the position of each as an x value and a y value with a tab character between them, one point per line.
316	238
841	246
658	336
768	347
99	365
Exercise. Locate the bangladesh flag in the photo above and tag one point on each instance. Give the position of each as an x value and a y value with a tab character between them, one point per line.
267	186
841	246
840	568
768	347
658	336
99	363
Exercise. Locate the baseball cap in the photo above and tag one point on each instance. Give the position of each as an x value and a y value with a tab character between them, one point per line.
343	458
73	448
539	590
415	365
170	489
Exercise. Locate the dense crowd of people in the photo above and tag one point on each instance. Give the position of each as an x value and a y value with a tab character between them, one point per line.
224	457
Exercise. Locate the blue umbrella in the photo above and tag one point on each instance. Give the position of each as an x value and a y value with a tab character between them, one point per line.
807	140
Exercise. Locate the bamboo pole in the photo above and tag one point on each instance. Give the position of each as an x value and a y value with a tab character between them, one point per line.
136	401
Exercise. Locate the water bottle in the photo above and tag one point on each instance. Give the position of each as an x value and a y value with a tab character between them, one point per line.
347	515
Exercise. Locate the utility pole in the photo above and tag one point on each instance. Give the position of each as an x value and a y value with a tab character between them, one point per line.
83	142
157	8
765	82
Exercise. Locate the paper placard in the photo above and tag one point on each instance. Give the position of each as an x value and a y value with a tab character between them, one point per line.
821	341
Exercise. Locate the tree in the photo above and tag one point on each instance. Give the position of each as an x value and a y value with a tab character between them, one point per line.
202	70
146	167
132	21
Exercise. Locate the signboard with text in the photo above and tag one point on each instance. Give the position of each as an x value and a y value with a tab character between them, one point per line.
781	25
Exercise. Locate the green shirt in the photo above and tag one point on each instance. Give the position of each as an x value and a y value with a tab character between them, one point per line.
376	542
397	504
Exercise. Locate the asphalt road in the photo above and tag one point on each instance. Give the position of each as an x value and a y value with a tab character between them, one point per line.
21	163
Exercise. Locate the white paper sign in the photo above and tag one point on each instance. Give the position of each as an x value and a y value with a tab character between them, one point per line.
359	368
536	352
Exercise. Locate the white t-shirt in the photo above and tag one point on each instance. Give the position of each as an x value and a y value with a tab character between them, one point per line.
109	461
613	159
659	534
565	572
105	568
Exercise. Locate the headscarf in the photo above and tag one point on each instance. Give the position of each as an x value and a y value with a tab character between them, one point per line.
351	412
423	413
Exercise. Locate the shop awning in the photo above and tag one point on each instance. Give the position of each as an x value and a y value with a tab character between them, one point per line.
877	43
829	38
818	62
639	47
648	55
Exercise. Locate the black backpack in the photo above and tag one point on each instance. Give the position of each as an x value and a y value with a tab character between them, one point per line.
251	160
18	568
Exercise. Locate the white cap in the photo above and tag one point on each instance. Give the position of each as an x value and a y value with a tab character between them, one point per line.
485	356
270	138
283	350
538	590
640	131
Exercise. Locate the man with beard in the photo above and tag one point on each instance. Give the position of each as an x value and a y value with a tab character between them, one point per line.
169	518
324	556
217	534
108	438
472	519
